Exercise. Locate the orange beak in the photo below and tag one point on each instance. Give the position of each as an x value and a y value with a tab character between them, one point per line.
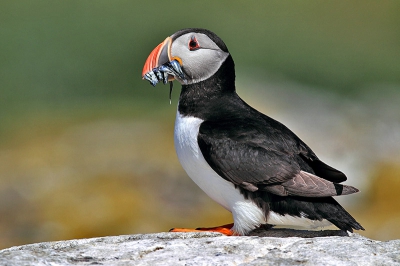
160	55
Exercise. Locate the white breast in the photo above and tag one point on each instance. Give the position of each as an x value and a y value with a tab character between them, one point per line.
246	215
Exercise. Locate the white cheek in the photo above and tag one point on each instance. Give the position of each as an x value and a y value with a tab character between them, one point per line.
199	64
202	64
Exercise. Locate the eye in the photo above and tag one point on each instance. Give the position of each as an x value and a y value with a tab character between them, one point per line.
193	44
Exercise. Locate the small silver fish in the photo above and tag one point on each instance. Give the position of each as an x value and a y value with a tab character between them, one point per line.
161	73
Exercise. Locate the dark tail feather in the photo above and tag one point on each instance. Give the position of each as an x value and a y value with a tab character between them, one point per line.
337	215
313	208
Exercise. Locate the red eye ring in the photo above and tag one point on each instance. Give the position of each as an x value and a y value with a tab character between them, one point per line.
193	44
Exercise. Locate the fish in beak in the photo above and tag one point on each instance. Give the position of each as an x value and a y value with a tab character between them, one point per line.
162	66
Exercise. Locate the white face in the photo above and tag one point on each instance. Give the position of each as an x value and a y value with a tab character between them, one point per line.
201	57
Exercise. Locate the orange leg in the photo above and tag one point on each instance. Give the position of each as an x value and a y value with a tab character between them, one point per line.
223	229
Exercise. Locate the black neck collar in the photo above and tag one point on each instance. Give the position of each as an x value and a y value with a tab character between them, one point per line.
200	99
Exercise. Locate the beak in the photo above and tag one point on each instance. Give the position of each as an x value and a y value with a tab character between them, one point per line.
160	55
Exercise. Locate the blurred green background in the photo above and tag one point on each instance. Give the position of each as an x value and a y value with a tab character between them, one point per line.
86	146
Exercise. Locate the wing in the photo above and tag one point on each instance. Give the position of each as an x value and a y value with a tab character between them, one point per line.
323	170
251	158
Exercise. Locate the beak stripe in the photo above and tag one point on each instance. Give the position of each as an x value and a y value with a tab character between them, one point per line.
158	55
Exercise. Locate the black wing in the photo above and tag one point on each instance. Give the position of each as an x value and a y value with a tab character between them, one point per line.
263	155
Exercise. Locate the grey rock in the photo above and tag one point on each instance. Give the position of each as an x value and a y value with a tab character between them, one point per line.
206	249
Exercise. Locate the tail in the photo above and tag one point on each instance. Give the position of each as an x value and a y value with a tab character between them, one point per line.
316	209
337	215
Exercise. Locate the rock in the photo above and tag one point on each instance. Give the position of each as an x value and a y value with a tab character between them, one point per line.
268	231
206	249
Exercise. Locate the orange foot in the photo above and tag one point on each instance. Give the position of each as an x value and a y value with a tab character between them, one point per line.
223	229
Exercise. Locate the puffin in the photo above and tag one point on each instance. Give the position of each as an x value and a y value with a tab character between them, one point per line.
251	164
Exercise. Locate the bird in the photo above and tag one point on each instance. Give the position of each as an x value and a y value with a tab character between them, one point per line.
248	162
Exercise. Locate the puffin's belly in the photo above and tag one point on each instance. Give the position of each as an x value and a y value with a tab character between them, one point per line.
247	216
192	160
